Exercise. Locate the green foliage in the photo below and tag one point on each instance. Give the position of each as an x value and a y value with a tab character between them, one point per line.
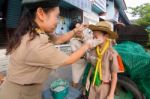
143	11
148	44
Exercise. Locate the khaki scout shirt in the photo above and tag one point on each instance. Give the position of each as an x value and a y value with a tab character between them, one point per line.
109	62
76	43
32	61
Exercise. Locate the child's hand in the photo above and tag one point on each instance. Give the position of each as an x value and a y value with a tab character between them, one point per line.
110	97
80	28
87	84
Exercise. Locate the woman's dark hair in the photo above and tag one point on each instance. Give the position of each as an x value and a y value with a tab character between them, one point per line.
25	26
74	22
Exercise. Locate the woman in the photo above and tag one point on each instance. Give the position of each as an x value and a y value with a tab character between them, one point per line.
32	52
102	78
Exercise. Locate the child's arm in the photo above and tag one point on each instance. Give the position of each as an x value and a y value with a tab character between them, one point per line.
113	86
88	79
114	70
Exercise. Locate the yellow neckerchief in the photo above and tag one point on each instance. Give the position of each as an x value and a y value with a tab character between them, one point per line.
100	53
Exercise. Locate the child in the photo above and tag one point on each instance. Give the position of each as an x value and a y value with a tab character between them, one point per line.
76	42
102	77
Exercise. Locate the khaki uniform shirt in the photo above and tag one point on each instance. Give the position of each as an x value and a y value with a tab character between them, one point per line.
109	62
75	44
32	61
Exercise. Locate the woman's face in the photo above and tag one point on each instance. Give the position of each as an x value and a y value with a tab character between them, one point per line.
78	34
99	35
48	20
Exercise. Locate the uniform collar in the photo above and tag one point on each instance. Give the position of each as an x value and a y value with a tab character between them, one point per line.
39	31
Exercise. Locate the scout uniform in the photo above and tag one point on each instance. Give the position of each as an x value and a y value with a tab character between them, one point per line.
30	64
109	65
79	66
104	62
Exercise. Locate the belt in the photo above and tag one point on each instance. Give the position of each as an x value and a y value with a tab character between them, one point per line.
105	82
32	84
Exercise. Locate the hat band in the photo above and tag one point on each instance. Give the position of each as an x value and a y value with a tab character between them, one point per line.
104	27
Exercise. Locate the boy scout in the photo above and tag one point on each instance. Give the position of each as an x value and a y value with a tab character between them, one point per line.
75	43
102	78
32	52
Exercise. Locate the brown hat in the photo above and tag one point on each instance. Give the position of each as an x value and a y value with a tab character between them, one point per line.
104	26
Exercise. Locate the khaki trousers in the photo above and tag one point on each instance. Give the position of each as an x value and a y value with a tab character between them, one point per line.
100	92
11	90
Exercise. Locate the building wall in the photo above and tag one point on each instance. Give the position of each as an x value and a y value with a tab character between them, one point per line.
13	13
90	17
66	18
84	5
110	10
72	9
101	4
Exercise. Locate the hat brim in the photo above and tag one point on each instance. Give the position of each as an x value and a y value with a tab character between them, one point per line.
112	35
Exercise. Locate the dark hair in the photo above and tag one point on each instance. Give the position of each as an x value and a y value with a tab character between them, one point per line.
25	26
74	22
104	32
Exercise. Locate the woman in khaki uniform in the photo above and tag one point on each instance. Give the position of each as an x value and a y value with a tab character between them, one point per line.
102	78
32	52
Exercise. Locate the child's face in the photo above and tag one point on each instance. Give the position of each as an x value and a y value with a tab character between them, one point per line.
99	35
79	34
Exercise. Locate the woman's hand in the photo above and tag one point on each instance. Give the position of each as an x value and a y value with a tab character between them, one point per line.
110	97
80	28
93	43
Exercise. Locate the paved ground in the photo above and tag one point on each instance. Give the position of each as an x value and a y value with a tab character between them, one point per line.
63	73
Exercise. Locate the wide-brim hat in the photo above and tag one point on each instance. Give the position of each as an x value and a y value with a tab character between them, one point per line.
104	26
31	4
